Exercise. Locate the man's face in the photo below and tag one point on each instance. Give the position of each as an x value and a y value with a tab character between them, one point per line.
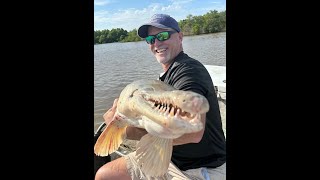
165	51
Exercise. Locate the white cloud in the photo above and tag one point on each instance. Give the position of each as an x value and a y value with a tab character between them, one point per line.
131	18
127	19
181	1
102	2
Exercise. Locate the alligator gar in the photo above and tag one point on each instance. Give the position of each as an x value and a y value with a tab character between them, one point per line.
163	111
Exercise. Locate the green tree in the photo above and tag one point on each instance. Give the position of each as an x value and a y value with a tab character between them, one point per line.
211	22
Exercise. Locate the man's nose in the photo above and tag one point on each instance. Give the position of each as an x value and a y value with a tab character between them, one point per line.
156	42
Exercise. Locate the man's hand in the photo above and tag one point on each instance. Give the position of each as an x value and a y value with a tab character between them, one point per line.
108	116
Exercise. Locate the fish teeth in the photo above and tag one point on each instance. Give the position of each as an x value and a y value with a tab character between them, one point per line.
163	109
178	112
172	111
195	119
167	112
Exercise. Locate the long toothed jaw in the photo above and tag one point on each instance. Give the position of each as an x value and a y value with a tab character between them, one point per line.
179	111
175	118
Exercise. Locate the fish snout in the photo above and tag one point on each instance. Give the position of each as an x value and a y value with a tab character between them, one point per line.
199	104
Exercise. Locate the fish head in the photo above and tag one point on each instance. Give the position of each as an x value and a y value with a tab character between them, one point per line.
133	97
161	109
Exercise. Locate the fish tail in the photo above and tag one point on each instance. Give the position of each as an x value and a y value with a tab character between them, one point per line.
110	139
154	155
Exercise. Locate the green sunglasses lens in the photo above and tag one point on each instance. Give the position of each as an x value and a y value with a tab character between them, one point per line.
162	36
150	39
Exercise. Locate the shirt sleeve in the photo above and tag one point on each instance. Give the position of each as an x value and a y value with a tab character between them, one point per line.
191	78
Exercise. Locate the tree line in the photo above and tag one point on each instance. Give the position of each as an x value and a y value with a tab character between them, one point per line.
211	22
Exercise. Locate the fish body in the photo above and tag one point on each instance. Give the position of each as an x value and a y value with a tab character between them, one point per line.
163	111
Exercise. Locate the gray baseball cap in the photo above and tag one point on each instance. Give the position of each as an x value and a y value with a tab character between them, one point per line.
162	21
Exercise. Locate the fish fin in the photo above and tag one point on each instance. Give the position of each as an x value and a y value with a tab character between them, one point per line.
110	138
154	155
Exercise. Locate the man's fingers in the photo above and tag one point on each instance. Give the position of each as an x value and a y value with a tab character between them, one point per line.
110	113
114	106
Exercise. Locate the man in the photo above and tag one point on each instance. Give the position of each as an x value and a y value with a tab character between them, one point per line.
200	155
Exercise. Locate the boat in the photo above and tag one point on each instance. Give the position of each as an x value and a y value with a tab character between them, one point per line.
218	76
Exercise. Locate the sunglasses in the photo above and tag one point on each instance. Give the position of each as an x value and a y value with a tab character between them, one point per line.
161	36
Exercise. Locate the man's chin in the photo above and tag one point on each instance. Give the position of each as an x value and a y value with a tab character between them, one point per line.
162	60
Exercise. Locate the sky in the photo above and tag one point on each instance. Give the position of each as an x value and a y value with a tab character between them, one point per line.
130	14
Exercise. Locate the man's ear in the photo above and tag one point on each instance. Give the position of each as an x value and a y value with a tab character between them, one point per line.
180	36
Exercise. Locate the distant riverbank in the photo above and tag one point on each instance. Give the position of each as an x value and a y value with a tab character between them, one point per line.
211	22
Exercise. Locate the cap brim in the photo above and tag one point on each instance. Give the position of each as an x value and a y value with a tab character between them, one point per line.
143	30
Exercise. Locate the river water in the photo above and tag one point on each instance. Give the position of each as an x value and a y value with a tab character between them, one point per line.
118	64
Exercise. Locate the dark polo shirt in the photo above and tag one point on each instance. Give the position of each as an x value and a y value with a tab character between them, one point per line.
187	73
